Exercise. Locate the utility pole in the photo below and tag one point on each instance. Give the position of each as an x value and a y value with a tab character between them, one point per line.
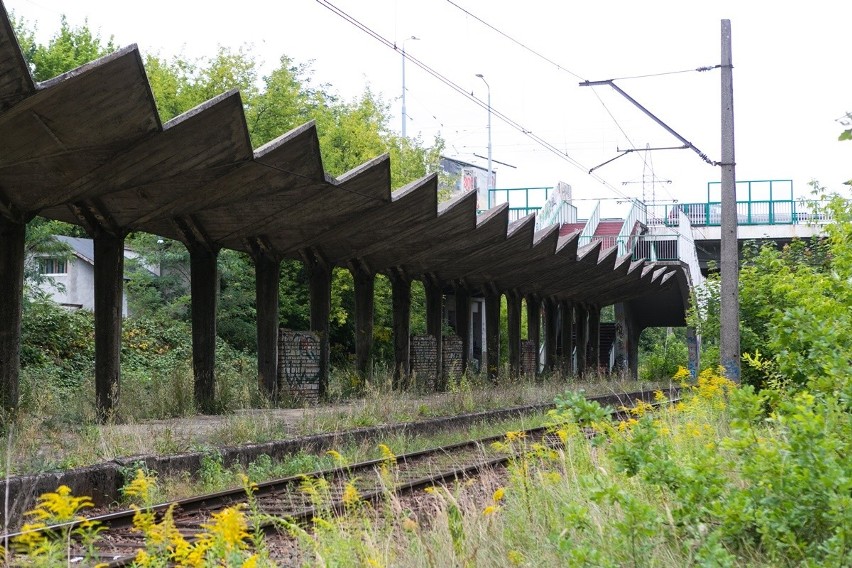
730	302
488	187
404	114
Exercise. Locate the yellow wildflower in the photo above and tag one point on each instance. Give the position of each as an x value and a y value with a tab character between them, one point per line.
387	453
251	561
337	457
490	510
350	494
142	487
515	436
659	396
499	494
59	507
229	527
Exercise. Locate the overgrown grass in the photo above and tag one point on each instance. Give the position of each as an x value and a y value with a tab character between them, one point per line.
57	427
214	476
728	477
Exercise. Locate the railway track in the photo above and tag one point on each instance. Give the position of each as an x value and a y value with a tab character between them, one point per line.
287	498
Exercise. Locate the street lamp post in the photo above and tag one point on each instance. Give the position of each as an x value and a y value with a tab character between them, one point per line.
488	183
404	115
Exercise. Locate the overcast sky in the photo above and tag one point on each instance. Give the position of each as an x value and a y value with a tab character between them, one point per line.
791	77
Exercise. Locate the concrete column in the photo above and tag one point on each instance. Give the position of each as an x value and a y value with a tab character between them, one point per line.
567	338
582	337
364	297
267	270
12	237
550	317
633	333
435	324
621	343
492	335
513	310
401	298
693	344
204	278
463	322
534	327
593	362
320	290
109	294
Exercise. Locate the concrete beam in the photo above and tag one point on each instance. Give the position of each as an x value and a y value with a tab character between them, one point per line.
12	237
594	338
513	309
463	322
534	327
204	279
267	267
582	320
567	309
492	334
319	274
551	312
401	298
365	282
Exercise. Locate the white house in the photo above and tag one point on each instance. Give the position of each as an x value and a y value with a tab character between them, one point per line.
72	279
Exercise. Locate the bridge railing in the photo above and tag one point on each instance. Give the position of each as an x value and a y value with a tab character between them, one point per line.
755	212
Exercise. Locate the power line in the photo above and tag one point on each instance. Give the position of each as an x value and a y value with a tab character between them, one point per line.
513	40
456	87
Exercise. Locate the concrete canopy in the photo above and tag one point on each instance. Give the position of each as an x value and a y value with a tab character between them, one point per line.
88	147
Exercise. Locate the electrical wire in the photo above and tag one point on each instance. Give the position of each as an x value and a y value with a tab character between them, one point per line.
456	87
576	75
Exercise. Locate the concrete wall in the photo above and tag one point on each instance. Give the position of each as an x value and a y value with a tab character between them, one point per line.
451	357
299	365
528	349
424	360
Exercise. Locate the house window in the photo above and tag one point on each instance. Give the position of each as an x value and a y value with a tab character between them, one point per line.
53	266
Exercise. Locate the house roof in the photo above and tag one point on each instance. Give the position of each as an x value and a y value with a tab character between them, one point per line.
82	248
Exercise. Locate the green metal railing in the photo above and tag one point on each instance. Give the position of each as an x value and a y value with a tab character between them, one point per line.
785	212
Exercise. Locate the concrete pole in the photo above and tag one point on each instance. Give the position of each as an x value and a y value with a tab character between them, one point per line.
550	316
12	236
401	298
582	337
513	313
534	328
594	361
267	270
109	293
463	322
320	291
492	334
203	287
364	300
567	338
729	257
488	182
621	340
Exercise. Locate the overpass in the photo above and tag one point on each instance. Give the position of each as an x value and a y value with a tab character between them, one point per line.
685	235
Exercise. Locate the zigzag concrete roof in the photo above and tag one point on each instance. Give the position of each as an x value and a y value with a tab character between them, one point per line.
88	147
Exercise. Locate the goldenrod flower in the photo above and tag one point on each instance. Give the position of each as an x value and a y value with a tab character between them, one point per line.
350	494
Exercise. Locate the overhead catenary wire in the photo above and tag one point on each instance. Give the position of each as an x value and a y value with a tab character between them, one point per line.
565	69
456	87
